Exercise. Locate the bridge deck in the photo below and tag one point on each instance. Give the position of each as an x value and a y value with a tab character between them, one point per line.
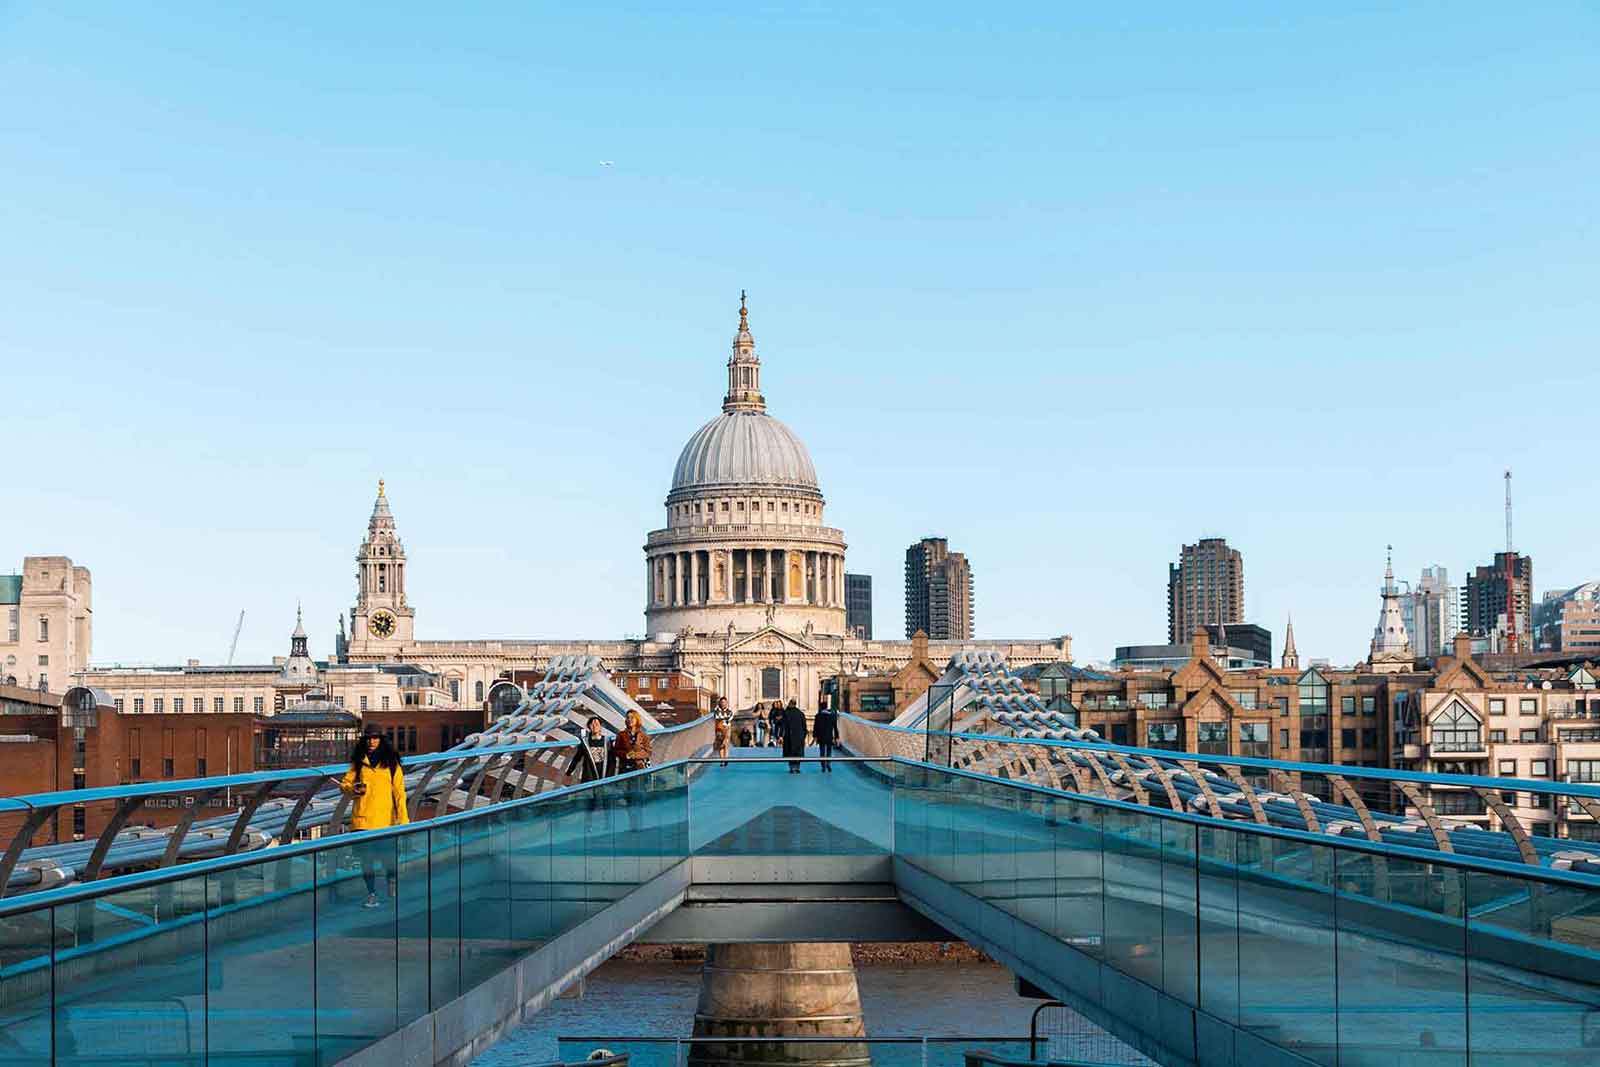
1196	941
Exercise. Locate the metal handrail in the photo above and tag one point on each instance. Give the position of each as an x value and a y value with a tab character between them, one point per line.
79	891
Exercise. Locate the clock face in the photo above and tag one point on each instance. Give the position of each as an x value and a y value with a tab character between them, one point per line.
381	624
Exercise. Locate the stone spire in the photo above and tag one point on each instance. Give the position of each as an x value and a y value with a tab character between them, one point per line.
1391	645
744	370
382	517
1291	655
298	669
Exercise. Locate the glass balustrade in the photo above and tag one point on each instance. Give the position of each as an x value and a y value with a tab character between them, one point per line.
1337	950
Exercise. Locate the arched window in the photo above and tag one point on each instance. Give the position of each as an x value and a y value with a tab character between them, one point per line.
455	690
1456	729
477	689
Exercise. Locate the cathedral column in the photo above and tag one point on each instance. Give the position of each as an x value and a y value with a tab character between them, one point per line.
694	577
748	562
825	574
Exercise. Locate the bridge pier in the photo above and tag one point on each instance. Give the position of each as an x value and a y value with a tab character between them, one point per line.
784	990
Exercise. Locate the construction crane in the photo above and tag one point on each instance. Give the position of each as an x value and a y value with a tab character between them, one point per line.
234	647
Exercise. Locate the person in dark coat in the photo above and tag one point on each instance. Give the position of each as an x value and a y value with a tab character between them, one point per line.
594	759
794	734
825	728
775	722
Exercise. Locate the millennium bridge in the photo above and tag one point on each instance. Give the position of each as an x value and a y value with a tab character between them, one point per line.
1205	909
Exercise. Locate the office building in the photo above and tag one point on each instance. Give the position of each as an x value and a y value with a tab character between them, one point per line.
1205	587
1432	613
858	605
1569	621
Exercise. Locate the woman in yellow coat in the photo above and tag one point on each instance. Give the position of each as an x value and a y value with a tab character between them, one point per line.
378	785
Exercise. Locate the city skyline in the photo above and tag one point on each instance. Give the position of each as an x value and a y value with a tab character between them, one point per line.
1133	296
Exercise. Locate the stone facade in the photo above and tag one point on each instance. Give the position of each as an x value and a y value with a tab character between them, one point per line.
46	629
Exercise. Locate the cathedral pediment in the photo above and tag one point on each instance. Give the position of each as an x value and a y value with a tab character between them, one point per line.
771	639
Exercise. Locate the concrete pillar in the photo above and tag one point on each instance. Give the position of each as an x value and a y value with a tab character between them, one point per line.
779	990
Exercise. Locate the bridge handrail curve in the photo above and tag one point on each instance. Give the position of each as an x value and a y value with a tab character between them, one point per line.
1380	774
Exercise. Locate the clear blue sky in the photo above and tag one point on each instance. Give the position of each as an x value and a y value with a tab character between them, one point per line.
1068	286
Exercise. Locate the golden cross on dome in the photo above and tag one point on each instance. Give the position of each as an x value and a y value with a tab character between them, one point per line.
380	486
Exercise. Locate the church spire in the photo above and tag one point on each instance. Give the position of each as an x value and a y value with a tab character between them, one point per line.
1291	655
1391	645
744	369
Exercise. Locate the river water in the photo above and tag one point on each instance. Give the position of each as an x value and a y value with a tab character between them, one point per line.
625	999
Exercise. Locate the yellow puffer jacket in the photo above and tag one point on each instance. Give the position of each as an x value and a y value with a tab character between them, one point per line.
383	804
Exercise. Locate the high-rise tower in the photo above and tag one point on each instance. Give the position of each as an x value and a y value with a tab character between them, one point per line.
938	591
1204	588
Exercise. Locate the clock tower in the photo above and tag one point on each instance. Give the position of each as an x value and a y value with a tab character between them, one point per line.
381	621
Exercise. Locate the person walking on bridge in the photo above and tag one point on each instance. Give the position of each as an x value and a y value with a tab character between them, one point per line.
593	760
775	725
759	714
825	728
794	734
723	727
378	788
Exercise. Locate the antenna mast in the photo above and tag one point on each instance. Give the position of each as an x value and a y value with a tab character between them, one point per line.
1508	510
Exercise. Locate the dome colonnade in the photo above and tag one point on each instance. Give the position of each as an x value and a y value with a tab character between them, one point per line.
745	545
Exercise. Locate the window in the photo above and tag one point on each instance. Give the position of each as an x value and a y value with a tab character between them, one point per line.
1255	739
135	767
177	705
238	705
199	766
411	737
77	780
1161	735
477	691
1497	735
138	705
44	628
1283	707
166	766
157	704
1347	705
117	703
1508	767
1456	729
1369	737
1539	800
1283	740
1369	705
1539	768
1583	770
1119	733
216	705
1212	738
363	703
1529	735
385	700
1153	700
13	626
44	661
1529	705
1497	707
1347	739
259	705
771	683
455	690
